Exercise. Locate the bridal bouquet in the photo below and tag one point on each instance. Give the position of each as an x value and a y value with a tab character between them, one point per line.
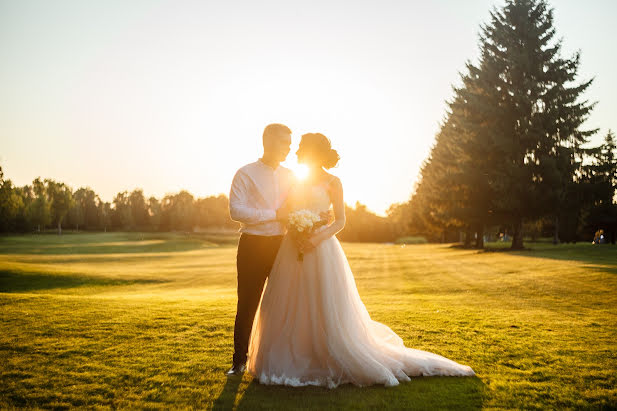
303	223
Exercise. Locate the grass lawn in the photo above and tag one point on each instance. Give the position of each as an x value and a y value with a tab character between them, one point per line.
131	320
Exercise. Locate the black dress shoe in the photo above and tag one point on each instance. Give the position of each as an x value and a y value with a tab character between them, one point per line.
236	369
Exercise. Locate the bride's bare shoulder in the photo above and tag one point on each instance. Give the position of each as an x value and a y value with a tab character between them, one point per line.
334	183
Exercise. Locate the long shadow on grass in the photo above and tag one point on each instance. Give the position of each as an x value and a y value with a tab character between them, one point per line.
227	397
594	255
112	243
15	282
102	248
421	393
102	258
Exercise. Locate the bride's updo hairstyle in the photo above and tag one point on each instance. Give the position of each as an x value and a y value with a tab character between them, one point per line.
319	149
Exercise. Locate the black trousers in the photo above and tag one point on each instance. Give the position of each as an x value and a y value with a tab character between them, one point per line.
255	258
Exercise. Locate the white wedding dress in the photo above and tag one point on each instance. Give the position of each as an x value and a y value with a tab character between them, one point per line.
311	327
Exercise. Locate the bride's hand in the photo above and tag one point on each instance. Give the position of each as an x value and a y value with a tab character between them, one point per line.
325	216
306	245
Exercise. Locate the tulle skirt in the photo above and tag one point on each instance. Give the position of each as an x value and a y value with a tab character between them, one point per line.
311	328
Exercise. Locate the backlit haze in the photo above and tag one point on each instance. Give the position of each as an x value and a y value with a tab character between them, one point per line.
165	95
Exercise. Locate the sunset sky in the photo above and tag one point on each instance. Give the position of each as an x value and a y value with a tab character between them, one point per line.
164	96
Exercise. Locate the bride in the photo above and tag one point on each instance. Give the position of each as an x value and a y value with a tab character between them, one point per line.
311	327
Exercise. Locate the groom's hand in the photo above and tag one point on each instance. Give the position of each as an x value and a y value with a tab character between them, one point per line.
281	214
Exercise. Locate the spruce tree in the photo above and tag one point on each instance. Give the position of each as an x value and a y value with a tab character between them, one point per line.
439	197
474	157
602	180
526	105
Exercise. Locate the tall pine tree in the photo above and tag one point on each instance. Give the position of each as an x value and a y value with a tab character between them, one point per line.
527	112
602	179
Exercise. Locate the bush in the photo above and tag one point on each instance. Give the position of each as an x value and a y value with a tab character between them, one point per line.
411	240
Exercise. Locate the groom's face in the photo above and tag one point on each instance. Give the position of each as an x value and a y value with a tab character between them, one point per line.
279	146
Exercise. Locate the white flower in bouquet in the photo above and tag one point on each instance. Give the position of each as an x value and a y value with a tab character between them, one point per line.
304	222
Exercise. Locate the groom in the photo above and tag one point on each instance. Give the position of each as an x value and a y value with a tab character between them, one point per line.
257	201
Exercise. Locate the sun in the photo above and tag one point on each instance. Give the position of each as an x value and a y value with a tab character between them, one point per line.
300	171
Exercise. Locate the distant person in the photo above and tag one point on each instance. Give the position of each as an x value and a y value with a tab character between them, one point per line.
598	238
311	327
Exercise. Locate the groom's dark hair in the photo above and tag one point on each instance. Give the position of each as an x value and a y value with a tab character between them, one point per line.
274	129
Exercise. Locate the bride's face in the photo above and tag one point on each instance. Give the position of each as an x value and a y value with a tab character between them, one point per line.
305	157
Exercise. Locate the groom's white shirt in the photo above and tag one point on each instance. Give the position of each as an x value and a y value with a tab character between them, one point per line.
257	191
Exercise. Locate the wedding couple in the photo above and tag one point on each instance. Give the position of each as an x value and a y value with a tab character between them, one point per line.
310	326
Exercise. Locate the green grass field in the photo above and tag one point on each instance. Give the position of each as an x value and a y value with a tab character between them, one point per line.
130	320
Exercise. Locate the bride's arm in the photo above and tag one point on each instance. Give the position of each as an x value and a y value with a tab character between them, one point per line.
336	189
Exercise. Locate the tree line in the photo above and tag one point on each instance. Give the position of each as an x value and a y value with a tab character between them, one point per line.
511	155
47	204
51	204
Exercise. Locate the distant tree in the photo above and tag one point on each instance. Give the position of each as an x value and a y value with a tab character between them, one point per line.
602	180
177	211
399	216
363	225
76	215
213	212
605	170
89	203
104	213
61	200
22	221
122	216
85	209
11	204
154	212
39	210
139	209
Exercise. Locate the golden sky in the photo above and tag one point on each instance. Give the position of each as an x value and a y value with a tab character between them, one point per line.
164	95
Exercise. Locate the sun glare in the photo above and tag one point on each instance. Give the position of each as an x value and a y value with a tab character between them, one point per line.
300	170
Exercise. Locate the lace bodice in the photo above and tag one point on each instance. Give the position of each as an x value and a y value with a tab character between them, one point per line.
311	197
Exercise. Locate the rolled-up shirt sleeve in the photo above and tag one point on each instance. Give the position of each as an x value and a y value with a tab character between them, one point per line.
239	209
